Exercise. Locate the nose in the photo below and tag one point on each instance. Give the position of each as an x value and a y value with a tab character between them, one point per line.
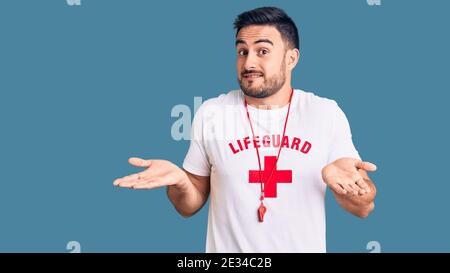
250	61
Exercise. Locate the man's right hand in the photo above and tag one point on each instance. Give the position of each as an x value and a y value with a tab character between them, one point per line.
157	173
187	192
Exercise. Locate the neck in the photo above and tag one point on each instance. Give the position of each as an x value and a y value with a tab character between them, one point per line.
277	100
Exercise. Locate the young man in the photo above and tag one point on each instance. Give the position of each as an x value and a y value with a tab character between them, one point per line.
265	153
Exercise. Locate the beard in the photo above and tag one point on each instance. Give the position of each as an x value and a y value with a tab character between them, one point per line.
267	88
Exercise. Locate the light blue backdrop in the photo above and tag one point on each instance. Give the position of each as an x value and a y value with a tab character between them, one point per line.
82	88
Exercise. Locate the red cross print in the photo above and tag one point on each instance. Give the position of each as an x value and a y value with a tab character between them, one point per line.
270	187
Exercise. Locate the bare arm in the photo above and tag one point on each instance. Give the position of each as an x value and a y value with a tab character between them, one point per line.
187	192
190	196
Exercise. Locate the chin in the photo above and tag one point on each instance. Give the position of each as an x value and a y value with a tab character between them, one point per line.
259	94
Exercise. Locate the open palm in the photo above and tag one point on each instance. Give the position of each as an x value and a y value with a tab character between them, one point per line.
343	175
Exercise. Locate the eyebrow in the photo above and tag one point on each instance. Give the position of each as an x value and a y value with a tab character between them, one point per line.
240	41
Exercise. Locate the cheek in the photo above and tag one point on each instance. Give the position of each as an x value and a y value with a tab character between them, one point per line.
239	67
272	67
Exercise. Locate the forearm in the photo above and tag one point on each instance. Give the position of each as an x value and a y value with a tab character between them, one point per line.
359	205
186	197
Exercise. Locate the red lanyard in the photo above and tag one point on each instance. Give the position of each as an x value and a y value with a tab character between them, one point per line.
262	209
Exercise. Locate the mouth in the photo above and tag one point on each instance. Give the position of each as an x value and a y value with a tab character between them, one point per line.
252	75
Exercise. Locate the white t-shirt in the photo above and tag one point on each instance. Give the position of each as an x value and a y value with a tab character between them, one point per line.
221	147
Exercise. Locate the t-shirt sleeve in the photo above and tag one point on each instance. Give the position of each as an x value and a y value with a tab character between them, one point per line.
196	160
341	144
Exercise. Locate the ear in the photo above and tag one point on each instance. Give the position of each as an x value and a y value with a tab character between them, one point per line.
292	57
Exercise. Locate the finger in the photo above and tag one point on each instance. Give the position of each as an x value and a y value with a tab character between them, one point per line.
356	189
366	166
338	189
131	183
155	183
127	184
356	177
362	184
346	185
132	177
154	168
125	178
139	162
343	184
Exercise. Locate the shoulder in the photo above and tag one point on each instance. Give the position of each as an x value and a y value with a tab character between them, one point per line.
233	97
219	103
316	103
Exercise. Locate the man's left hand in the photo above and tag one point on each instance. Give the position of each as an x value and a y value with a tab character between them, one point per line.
343	176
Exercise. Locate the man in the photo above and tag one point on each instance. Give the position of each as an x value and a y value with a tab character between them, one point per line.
265	153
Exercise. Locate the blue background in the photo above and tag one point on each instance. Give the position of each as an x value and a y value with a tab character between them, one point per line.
82	88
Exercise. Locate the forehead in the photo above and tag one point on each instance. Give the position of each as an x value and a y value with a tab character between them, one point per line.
253	33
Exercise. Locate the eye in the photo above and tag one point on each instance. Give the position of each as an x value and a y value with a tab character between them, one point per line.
263	51
242	52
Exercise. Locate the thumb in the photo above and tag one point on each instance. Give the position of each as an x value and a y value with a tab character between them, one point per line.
139	162
367	166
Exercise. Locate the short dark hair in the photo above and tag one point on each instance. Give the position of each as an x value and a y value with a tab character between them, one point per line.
271	16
